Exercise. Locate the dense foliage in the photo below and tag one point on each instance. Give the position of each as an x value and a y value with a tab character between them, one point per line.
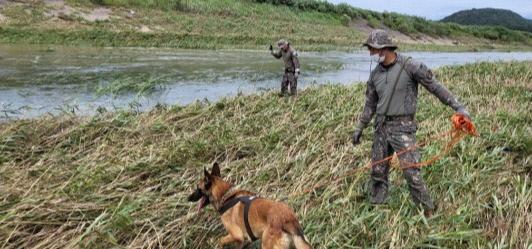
490	17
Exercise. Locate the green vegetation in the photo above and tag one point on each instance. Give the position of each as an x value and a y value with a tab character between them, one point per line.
207	24
120	180
223	24
409	24
492	17
139	84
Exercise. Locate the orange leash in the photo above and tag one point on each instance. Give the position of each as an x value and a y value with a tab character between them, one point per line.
461	127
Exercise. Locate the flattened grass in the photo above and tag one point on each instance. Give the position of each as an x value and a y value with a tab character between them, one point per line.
120	180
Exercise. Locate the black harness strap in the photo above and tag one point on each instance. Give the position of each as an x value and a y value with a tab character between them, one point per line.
228	204
247	203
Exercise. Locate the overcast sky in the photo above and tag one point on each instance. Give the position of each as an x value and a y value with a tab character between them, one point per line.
438	9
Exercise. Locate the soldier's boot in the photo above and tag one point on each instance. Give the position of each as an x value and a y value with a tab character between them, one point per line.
284	89
430	212
293	87
293	92
379	192
419	191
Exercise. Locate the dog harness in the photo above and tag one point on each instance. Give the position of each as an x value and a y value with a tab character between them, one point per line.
247	202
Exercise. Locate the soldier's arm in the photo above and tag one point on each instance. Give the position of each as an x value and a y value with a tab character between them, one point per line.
276	54
295	59
424	76
370	106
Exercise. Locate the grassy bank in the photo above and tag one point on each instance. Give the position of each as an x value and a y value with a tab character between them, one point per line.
213	24
118	180
208	24
410	25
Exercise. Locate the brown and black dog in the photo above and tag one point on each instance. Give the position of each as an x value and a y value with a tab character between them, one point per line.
248	218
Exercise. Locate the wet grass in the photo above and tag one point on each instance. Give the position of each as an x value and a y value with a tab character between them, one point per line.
143	85
120	180
206	24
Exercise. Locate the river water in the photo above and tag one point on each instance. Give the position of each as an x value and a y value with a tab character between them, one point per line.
42	80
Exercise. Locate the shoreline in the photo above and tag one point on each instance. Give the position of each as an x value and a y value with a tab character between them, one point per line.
133	39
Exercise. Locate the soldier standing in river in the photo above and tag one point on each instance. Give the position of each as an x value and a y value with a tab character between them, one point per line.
391	92
291	67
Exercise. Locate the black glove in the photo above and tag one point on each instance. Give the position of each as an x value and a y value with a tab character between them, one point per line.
356	137
271	47
463	111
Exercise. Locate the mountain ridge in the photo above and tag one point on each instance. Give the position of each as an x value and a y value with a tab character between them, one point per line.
490	17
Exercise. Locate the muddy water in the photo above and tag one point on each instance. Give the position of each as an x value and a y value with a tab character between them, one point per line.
42	80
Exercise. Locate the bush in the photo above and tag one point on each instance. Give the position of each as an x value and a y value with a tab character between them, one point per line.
346	20
372	22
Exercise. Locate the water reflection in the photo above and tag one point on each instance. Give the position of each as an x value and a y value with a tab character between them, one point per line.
35	80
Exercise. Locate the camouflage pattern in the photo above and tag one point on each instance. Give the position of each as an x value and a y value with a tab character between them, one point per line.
289	79
379	39
390	137
291	63
394	136
404	99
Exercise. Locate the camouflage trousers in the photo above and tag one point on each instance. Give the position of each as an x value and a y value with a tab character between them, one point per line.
390	137
289	79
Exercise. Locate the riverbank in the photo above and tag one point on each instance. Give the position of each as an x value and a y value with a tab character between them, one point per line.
209	24
121	179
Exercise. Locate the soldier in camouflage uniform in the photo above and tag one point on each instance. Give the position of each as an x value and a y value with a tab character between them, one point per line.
291	66
391	92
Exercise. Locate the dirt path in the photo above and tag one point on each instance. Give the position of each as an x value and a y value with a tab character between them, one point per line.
59	8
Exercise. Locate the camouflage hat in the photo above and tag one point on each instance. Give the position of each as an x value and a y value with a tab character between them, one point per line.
379	39
282	42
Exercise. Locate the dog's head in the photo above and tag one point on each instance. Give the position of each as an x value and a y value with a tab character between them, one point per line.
203	192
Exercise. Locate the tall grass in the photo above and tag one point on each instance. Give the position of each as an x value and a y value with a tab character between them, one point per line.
120	180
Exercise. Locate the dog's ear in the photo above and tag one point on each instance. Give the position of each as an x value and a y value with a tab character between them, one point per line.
215	170
207	175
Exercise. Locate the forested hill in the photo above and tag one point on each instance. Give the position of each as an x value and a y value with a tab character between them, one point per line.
491	17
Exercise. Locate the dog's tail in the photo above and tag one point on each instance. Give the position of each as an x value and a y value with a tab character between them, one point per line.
294	229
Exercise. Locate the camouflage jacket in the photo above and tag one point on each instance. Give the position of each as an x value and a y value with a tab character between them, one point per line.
291	62
404	99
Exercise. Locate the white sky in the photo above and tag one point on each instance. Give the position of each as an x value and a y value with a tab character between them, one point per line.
438	9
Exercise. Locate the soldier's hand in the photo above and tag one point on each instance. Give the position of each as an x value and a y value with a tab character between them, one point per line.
297	72
463	111
356	137
271	47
